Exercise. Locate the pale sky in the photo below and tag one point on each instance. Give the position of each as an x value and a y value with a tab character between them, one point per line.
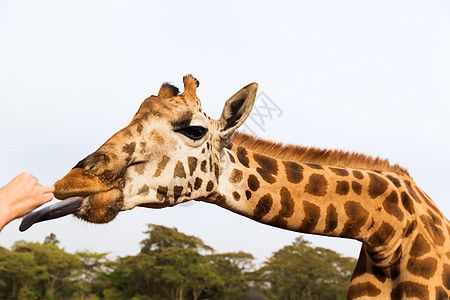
371	77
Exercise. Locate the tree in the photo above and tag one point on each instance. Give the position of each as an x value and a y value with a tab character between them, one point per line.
161	237
232	268
299	271
18	272
185	270
93	265
58	270
51	240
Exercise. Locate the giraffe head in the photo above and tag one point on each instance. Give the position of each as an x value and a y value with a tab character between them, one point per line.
168	154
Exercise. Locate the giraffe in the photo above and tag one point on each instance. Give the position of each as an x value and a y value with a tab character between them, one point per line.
172	152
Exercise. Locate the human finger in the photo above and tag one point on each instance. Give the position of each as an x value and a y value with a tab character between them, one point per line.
48	188
29	176
46	197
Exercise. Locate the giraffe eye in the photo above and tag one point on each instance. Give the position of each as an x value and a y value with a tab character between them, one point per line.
193	132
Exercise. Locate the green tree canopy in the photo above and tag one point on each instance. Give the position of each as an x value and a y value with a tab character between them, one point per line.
161	237
299	271
51	240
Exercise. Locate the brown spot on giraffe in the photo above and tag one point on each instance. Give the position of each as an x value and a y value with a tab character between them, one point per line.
139	169
157	137
139	128
377	185
441	294
356	187
248	194
446	276
236	196
268	167
407	203
161	193
342	188
161	165
411	191
287	203
179	170
197	183
391	206
410	228
242	156
253	182
357	217
433	230
143	190
317	185
436	219
382	236
129	148
379	273
315	166
263	207
363	289
394	270
331	220
216	171
203	166
410	289
394	180
235	176
311	218
294	171
422	267
192	164
209	186
286	211
177	191
232	159
357	174
339	171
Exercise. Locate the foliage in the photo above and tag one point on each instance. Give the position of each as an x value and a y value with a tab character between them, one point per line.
299	271
161	237
171	265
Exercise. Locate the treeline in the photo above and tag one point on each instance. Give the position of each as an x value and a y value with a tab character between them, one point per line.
171	265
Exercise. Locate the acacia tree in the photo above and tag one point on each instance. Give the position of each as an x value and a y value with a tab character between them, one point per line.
58	270
233	268
19	274
160	237
299	271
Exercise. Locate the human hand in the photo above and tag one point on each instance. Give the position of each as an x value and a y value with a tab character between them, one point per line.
22	195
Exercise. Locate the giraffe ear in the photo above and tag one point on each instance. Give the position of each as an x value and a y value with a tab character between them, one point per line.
235	112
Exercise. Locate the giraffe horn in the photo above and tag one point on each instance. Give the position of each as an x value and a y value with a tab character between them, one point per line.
190	84
58	210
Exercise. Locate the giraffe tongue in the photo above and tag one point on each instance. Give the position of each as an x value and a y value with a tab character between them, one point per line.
50	212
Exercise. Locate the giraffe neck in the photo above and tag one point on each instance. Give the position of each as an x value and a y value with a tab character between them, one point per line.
405	237
309	198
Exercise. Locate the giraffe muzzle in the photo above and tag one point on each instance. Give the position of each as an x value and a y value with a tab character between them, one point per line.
57	210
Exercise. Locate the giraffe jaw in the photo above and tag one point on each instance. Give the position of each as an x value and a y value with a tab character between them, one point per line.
100	207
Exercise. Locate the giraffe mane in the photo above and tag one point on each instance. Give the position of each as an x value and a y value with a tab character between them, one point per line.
314	155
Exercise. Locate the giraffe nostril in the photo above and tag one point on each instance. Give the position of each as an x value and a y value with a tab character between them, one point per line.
83	164
91	161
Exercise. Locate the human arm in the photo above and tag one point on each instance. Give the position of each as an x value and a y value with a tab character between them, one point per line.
22	195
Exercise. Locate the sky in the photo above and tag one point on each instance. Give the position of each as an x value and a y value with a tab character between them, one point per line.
371	77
